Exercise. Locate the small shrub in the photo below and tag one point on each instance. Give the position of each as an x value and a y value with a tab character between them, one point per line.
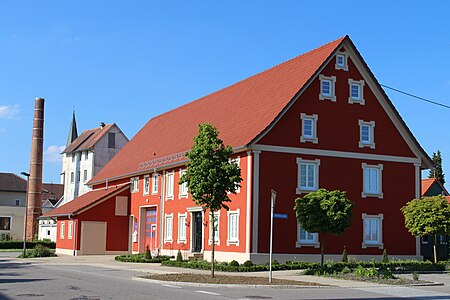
179	256
234	263
247	263
385	258
275	262
346	270
344	256
5	237
415	276
148	254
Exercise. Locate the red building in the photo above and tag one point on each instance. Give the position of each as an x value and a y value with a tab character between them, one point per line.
320	120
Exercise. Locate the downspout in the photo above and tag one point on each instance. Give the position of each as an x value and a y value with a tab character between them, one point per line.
74	235
106	186
161	217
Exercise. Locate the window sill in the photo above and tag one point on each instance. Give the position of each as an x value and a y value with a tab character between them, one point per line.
378	245
183	241
217	242
330	98
368	195
305	191
356	101
314	140
362	145
236	243
182	196
169	198
307	244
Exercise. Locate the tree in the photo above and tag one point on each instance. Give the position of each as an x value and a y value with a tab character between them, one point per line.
428	216
324	212
436	171
211	175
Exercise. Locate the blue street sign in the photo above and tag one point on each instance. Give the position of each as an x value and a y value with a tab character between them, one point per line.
280	216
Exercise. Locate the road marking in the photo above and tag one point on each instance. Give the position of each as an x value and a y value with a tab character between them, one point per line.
172	286
403	291
209	293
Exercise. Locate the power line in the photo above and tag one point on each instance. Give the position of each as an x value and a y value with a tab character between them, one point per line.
414	96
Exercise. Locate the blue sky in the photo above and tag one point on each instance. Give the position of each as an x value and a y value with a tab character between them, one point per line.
127	61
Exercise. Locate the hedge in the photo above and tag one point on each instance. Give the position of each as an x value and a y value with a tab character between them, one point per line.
140	258
15	244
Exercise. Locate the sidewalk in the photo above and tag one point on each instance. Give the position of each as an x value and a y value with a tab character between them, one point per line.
107	261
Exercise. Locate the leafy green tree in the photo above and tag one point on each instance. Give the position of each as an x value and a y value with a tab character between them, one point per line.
428	216
324	212
437	171
211	175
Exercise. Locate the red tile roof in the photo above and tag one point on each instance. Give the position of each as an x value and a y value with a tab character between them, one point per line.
426	184
89	199
12	183
240	112
87	139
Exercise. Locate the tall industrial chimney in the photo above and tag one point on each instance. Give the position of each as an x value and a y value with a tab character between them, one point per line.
34	209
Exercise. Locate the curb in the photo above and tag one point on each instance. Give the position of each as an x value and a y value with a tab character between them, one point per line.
196	284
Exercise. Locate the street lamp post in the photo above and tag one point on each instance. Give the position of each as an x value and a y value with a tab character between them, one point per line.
26	214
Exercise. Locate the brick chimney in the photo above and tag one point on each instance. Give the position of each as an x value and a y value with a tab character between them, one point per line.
34	209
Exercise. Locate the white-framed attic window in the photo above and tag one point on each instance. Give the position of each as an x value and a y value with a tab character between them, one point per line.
327	88
309	128
341	61
356	91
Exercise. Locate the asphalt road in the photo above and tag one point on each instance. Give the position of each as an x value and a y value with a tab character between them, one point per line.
20	280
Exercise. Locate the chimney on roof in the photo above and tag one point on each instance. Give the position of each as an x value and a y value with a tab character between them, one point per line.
102	125
34	209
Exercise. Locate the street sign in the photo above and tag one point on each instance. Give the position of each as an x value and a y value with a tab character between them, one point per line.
280	216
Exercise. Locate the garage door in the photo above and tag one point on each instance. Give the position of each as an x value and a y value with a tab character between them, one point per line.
93	237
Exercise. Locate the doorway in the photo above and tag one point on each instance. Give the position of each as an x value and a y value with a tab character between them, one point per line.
197	232
150	229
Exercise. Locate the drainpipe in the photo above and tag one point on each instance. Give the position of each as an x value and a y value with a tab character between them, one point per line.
74	234
161	218
106	186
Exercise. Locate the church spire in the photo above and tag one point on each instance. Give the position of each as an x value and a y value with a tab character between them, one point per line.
73	133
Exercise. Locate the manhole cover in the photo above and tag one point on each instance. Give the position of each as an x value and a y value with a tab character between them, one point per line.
257	297
30	295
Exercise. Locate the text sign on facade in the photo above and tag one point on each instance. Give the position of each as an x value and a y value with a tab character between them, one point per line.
280	216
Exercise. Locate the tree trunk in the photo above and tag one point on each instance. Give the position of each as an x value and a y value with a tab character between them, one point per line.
322	242
213	224
435	248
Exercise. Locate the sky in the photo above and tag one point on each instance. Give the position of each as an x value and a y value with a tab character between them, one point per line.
125	62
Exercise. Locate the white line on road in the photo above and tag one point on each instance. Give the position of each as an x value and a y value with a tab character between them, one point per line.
172	286
209	293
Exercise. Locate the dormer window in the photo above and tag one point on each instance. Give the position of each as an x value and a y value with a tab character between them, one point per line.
327	88
341	61
356	91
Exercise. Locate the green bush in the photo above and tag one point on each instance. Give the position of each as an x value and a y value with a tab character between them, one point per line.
140	258
15	244
5	237
179	256
234	263
344	256
38	251
247	263
148	254
385	258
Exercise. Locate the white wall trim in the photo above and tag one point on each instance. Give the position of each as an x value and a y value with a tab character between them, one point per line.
249	203
255	209
340	154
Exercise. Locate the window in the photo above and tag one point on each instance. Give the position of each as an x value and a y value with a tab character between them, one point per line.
182	227
341	61
111	140
366	134
134	184
309	128
78	176
70	230
169	186
372	183
327	88
5	223
155	183
216	229
72	177
356	92
233	227
146	184
73	157
168	228
17	202
86	155
62	229
85	178
308	175
372	231
425	239
305	238
183	190
237	161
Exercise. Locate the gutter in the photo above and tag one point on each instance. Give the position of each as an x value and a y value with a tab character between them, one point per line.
74	234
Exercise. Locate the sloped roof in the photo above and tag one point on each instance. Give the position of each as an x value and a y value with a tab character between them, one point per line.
11	182
240	112
84	201
87	139
428	182
52	191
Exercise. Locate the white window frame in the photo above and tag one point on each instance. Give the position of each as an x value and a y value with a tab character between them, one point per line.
62	230
231	240
170	185
70	230
168	232
134	184
314	242
182	219
146	184
332	96
86	155
360	84
379	193
237	161
313	138
316	164
217	237
85	175
378	243
155	183
10	223
72	177
345	58
371	125
182	188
